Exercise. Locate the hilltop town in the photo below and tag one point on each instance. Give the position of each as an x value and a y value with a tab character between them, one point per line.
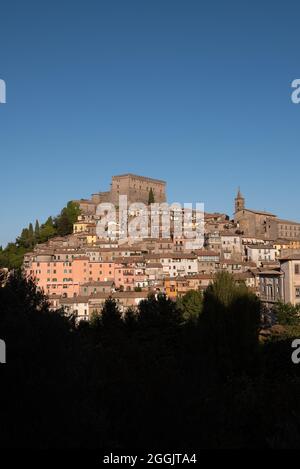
80	271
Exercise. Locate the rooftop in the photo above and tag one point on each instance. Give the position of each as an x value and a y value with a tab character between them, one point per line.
259	212
291	257
136	176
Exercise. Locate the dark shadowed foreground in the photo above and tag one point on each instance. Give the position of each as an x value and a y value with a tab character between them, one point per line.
183	376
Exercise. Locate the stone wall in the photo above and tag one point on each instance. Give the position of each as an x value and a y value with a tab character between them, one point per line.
137	188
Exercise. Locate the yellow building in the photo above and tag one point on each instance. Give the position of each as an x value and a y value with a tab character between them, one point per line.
281	245
83	227
91	239
295	244
170	287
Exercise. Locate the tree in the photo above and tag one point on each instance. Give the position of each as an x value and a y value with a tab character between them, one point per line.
64	226
26	240
31	235
110	316
37	230
159	311
47	230
30	229
130	319
191	304
68	216
12	256
230	323
40	344
151	199
95	385
287	314
23	239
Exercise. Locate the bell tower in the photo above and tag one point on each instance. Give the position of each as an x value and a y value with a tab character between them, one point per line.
239	202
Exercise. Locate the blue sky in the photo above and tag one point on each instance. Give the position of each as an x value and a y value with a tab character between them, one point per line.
193	92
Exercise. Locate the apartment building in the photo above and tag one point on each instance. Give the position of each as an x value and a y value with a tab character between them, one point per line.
290	266
259	253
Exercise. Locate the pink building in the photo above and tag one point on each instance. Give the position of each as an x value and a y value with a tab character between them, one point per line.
63	278
55	278
130	272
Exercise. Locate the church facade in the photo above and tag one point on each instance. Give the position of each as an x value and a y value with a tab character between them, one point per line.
260	224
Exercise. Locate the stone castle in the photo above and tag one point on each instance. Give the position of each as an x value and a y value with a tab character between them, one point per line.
136	188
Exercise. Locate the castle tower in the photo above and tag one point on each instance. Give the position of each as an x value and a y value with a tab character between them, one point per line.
137	188
239	202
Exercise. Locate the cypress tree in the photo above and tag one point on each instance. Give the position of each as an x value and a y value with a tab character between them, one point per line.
37	229
151	199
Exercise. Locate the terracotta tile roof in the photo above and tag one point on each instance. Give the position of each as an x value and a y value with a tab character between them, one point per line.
290	257
203	252
288	222
259	212
119	295
108	283
129	260
154	265
73	300
260	246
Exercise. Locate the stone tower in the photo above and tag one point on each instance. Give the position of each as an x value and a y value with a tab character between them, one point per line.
137	188
239	202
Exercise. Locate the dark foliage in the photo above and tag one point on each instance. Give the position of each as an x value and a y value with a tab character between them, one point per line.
150	379
12	256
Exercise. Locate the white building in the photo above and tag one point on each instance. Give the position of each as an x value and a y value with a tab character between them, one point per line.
179	264
260	253
290	267
77	306
231	243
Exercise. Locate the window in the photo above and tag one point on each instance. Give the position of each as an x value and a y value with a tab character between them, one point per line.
297	292
297	269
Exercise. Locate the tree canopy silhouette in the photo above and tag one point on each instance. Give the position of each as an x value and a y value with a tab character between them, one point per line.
149	377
